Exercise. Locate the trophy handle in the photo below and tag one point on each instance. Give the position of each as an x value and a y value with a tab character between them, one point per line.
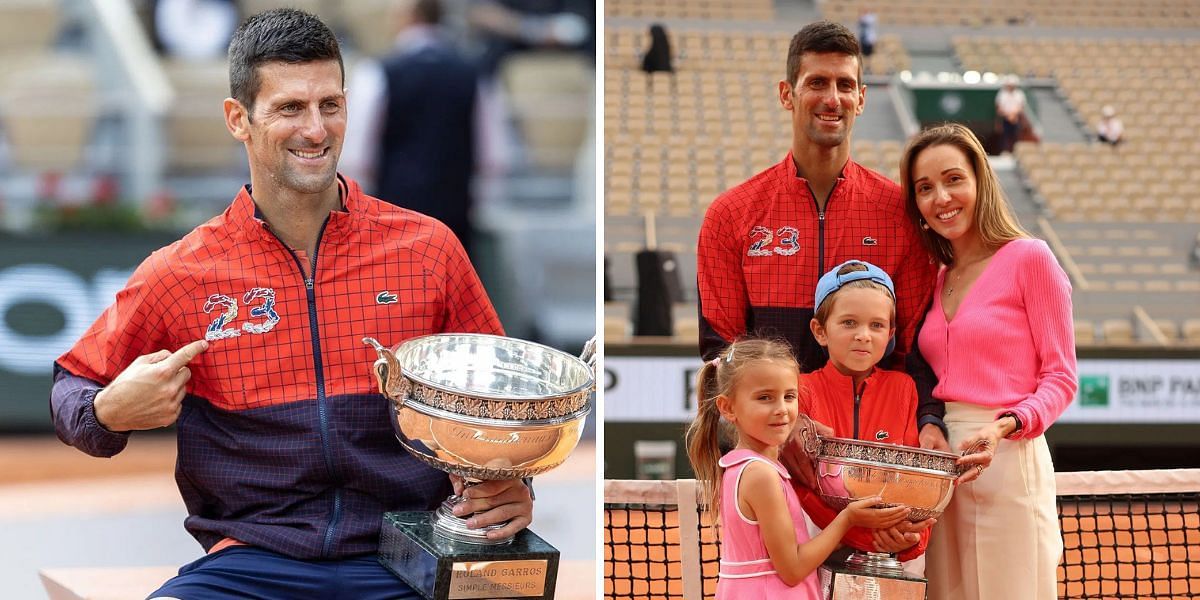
388	372
979	446
809	436
589	354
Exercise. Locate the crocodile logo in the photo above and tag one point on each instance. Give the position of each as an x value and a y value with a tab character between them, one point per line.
385	297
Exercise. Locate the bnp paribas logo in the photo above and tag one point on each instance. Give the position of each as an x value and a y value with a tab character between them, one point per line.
1093	390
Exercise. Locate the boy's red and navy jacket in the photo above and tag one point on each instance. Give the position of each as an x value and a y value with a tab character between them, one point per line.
882	410
764	244
284	440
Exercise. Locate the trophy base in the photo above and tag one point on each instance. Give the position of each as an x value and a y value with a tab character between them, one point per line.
844	582
443	569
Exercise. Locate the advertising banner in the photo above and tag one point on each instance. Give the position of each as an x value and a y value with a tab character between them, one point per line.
661	389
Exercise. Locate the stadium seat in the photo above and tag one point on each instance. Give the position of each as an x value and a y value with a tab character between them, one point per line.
49	107
1117	331
1191	331
1085	332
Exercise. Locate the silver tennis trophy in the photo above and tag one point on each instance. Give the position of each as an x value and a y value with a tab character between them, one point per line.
482	407
849	470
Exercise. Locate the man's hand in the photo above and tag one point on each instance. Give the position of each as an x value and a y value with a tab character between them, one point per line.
900	537
495	502
797	461
932	438
148	394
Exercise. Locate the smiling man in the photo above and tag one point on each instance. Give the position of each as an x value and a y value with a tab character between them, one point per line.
287	460
764	244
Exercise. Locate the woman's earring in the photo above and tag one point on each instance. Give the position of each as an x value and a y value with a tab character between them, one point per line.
924	225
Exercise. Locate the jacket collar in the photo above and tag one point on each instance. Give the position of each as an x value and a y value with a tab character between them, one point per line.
834	379
245	213
797	183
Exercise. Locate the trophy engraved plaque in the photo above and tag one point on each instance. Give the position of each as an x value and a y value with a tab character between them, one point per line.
482	407
847	470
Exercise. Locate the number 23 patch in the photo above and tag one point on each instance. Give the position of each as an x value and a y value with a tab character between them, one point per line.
783	241
262	316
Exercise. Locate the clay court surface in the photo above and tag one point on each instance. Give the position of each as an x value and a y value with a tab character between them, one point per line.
1110	553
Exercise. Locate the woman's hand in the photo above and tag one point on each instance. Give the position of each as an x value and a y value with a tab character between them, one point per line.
982	444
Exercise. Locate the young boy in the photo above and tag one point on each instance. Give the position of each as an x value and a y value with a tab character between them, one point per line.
855	322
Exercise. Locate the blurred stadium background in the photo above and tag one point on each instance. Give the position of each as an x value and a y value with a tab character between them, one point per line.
112	146
1124	222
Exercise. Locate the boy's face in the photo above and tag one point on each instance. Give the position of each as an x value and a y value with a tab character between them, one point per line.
857	330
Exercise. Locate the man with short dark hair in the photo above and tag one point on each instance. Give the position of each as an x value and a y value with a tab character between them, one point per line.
765	243
287	459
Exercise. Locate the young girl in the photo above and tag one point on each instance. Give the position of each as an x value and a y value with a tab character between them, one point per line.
855	322
765	548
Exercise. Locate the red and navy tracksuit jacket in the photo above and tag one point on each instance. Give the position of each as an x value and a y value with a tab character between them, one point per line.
764	244
284	440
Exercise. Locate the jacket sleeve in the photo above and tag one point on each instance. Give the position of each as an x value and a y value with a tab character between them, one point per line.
132	326
914	289
1046	292
929	409
723	299
74	415
467	306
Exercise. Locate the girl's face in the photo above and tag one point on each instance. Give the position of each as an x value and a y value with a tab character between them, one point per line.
945	187
763	405
857	330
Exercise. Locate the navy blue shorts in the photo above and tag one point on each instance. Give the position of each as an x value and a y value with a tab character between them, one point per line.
249	572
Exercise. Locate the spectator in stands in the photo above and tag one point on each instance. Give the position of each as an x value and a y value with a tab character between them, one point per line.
764	243
1110	129
286	458
1010	111
868	31
658	56
514	25
1006	371
411	132
195	29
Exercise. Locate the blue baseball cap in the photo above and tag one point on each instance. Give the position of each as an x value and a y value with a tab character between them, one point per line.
832	282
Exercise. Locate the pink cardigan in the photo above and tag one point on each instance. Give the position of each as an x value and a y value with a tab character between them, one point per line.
1011	345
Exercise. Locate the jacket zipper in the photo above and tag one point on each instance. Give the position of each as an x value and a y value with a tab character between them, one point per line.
322	412
858	394
821	228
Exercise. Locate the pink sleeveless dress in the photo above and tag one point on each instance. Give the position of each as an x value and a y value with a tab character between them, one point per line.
746	570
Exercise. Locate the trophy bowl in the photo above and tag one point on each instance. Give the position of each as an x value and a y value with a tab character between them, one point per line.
483	407
849	469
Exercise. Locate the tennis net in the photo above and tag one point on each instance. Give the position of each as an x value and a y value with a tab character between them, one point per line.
1126	534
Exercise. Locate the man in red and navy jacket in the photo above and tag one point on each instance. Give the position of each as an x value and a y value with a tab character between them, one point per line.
764	244
246	334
